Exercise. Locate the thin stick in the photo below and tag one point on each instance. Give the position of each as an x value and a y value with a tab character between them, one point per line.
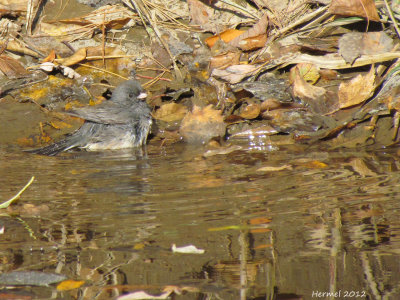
392	18
7	203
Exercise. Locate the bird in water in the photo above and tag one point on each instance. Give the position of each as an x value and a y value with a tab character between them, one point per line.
124	121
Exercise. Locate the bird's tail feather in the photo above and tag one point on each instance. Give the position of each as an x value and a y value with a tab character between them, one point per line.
55	148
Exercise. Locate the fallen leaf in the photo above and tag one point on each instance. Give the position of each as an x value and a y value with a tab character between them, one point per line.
253	43
359	165
190	249
308	71
274	169
253	38
354	44
358	8
260	220
224	60
226	36
222	151
75	58
357	90
234	74
67	285
201	125
170	112
318	99
251	111
12	68
110	16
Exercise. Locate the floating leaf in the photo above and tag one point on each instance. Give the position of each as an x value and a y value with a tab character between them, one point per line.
67	285
187	249
274	169
143	295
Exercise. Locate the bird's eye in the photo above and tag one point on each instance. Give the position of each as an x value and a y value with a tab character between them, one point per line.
131	95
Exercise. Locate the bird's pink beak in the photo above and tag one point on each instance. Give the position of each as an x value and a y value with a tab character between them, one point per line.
142	95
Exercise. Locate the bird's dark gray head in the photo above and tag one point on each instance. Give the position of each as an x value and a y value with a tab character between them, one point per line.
128	91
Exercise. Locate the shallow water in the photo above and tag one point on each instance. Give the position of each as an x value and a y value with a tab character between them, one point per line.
327	222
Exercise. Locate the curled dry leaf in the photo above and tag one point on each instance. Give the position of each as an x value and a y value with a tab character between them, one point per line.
253	38
304	90
235	74
201	125
357	90
170	112
357	8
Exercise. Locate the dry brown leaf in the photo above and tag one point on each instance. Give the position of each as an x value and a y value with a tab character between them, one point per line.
359	165
303	89
357	90
111	16
15	46
201	125
13	7
259	29
234	74
357	8
274	169
66	31
50	58
11	67
253	43
354	44
170	112
224	60
251	111
77	57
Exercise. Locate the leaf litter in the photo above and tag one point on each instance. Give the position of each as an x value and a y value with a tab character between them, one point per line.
218	72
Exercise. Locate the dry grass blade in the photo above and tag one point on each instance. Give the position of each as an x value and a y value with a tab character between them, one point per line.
139	6
7	203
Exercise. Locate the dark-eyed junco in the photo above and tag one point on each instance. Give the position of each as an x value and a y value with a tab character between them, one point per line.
122	122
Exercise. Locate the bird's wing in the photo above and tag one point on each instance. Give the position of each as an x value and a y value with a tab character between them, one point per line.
105	113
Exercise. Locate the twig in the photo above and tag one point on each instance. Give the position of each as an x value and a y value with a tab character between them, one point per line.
392	18
7	203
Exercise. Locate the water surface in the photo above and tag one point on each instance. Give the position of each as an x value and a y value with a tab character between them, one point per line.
314	222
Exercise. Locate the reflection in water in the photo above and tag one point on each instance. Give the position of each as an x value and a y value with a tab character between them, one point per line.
328	223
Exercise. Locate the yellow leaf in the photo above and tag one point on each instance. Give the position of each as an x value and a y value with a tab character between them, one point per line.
67	285
60	124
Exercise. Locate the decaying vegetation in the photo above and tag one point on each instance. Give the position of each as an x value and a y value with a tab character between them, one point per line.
283	71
